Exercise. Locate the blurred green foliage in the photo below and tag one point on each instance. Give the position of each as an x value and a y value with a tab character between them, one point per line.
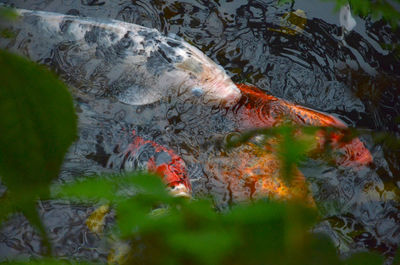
167	230
37	125
7	13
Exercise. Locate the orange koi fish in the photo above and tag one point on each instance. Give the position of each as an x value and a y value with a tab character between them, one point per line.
258	109
148	155
250	173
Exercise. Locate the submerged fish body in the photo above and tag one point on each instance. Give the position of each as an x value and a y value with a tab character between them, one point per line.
262	110
135	64
142	154
250	173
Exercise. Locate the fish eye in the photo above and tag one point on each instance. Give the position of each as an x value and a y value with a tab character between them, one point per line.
197	91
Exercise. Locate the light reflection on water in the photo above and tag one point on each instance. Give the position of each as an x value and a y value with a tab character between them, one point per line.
356	78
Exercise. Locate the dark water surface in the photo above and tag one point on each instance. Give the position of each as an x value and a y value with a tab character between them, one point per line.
355	78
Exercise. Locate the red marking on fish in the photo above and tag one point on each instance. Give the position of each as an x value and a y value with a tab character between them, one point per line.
258	109
172	170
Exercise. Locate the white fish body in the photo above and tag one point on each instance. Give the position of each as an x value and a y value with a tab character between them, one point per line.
135	64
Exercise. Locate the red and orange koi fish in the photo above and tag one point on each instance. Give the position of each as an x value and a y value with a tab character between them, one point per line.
259	109
247	168
163	162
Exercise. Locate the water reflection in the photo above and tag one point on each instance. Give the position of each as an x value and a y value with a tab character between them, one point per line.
356	78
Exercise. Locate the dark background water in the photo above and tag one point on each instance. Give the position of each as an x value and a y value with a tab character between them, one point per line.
353	77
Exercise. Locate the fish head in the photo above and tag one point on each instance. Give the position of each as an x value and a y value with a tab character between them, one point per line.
206	79
174	176
172	169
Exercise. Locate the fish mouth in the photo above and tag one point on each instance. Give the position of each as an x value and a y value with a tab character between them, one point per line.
231	97
222	92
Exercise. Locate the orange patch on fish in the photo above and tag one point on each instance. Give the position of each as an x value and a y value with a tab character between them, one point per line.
165	163
251	173
258	110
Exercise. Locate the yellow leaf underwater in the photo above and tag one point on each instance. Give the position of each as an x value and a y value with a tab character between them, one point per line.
95	222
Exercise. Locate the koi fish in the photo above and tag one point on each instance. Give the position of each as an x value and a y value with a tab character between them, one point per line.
249	173
135	64
148	155
258	109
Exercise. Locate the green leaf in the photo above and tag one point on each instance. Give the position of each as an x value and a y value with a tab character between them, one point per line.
8	13
91	188
319	248
364	259
199	213
208	246
37	125
131	216
396	259
108	187
291	151
134	216
148	183
259	212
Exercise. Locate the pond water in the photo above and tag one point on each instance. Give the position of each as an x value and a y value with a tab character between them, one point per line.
292	51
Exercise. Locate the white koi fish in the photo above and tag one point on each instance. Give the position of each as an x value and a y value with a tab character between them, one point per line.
135	64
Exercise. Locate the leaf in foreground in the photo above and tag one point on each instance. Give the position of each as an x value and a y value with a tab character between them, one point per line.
37	125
